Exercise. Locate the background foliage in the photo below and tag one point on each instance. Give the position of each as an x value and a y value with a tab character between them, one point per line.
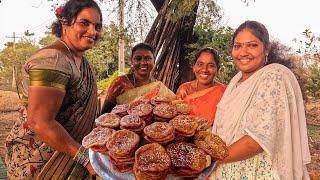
209	32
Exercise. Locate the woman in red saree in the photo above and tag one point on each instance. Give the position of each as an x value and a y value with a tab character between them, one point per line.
205	92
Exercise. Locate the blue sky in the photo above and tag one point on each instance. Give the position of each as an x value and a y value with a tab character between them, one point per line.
285	19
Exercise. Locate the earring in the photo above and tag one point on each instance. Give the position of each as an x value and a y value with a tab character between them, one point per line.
266	60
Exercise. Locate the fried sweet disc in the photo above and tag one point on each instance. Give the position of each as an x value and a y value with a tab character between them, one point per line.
160	99
97	139
141	108
152	158
165	110
184	108
131	122
109	120
158	130
121	110
163	141
203	122
123	143
186	125
139	175
212	144
187	156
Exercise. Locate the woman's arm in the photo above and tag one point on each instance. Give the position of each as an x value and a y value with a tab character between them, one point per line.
110	101
244	148
116	88
184	90
43	106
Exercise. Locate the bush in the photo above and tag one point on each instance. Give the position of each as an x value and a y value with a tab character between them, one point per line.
105	83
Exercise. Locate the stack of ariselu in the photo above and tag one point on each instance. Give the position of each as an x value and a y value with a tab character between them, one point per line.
154	138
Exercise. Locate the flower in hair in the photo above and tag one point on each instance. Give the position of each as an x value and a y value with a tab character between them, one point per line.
59	11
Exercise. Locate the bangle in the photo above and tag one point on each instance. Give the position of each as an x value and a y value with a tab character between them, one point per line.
82	156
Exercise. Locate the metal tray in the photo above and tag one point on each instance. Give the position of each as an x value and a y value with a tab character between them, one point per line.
103	168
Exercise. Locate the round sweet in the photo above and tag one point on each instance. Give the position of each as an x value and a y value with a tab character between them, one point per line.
123	143
140	108
185	125
97	139
165	110
109	120
211	144
152	158
131	122
184	108
120	110
158	130
187	156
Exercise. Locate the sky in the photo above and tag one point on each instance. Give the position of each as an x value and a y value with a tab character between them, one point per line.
285	19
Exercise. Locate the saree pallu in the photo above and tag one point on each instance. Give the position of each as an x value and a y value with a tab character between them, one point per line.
268	107
28	157
204	102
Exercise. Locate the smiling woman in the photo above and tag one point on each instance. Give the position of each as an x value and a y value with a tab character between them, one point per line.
142	60
60	99
204	93
261	115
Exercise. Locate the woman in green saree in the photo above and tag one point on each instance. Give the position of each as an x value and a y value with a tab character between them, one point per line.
60	96
142	60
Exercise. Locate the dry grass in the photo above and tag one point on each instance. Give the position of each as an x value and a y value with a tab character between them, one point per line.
9	101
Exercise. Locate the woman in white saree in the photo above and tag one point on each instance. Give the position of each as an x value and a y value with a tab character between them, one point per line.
266	132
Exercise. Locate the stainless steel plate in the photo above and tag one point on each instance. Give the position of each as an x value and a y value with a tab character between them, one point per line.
103	168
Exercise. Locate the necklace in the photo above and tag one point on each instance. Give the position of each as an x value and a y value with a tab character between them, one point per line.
69	50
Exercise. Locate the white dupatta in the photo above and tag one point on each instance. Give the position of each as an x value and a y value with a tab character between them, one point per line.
268	107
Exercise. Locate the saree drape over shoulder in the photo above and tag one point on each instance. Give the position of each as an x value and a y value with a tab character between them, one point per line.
122	91
204	102
269	108
28	157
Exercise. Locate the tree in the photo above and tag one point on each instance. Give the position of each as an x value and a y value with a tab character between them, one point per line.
104	56
313	80
171	34
309	50
12	58
309	46
50	38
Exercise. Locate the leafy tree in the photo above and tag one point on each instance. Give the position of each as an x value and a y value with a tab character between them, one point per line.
313	80
104	56
309	50
50	38
12	58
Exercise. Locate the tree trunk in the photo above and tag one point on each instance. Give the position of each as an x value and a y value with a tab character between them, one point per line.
170	40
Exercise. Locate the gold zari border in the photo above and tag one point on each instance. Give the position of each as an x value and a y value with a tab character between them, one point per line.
49	78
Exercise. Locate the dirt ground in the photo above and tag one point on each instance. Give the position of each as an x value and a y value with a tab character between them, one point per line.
9	105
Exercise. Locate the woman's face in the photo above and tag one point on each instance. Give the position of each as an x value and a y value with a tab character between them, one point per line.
142	62
248	53
85	30
205	68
